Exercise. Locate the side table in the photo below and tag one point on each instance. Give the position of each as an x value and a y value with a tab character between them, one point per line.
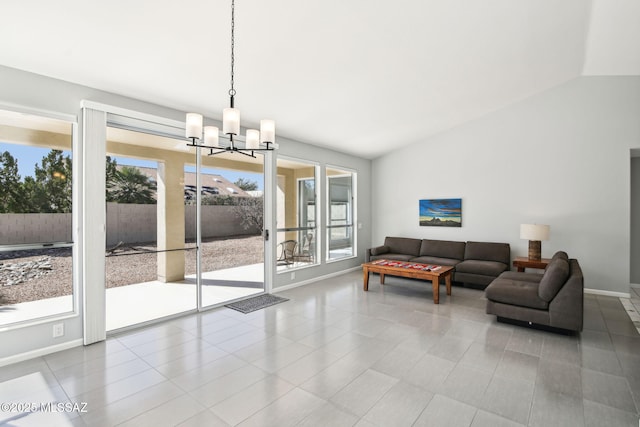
523	262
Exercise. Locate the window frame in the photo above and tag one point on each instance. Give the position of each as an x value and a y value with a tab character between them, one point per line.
76	218
352	214
317	229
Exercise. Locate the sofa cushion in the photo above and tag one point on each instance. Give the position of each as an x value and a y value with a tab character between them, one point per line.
554	278
380	250
485	268
442	249
403	245
515	292
394	257
486	251
435	260
526	277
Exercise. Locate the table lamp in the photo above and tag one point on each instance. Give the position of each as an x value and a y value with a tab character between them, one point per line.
534	233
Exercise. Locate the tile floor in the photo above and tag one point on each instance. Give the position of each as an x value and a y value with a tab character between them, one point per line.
632	306
336	356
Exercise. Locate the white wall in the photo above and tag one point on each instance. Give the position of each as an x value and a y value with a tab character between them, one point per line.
559	158
612	41
635	220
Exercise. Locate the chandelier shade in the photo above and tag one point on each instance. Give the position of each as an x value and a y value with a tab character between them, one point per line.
231	121
194	125
267	131
211	135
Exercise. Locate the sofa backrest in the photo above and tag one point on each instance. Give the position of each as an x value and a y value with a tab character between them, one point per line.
567	307
558	254
554	278
488	251
403	245
442	249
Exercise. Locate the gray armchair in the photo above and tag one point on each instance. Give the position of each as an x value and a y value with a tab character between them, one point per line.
555	298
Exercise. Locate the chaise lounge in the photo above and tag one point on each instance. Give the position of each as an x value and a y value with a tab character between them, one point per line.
553	299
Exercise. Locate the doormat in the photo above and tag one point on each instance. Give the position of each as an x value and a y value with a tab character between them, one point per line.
256	303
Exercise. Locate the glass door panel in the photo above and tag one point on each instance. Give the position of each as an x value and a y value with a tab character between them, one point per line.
147	256
232	222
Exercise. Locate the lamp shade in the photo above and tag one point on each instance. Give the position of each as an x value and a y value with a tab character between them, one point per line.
211	135
534	232
231	121
253	139
194	125
267	131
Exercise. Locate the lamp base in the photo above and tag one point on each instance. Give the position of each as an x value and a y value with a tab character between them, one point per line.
535	249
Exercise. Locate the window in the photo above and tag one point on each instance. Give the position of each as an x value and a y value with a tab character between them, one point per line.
340	214
296	214
36	208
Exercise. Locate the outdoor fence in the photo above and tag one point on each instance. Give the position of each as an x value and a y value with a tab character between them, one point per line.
128	223
17	229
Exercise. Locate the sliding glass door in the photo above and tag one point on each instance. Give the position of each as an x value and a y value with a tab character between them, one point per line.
182	235
147	254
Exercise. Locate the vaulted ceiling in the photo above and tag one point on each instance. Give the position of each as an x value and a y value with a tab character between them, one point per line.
359	76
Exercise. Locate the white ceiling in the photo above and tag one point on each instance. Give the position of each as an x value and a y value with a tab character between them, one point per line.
359	76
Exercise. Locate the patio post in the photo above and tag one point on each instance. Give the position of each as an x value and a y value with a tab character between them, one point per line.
171	234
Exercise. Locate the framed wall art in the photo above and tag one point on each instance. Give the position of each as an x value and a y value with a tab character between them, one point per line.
441	212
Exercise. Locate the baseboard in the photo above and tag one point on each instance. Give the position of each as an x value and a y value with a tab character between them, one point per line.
315	279
607	293
40	352
635	285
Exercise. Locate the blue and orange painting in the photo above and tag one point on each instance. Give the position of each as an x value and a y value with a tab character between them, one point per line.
441	212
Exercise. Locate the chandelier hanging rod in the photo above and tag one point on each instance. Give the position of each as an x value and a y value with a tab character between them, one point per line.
256	140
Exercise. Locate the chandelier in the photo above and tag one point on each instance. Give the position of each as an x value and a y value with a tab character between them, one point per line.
255	140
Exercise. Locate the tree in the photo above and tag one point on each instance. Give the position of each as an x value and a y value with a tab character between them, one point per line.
10	194
32	196
246	185
250	212
51	189
132	186
111	169
218	199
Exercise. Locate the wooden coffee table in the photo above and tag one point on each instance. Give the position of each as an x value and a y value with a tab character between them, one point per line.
412	270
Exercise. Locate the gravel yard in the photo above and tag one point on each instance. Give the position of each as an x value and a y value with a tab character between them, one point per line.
46	273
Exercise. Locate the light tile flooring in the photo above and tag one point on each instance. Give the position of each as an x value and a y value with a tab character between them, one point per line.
336	356
632	306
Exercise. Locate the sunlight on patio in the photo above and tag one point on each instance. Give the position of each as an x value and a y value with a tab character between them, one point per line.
143	302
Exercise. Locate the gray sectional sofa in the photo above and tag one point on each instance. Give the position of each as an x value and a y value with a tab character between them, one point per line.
476	263
553	299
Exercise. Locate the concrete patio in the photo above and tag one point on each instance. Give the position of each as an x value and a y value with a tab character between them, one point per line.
143	302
